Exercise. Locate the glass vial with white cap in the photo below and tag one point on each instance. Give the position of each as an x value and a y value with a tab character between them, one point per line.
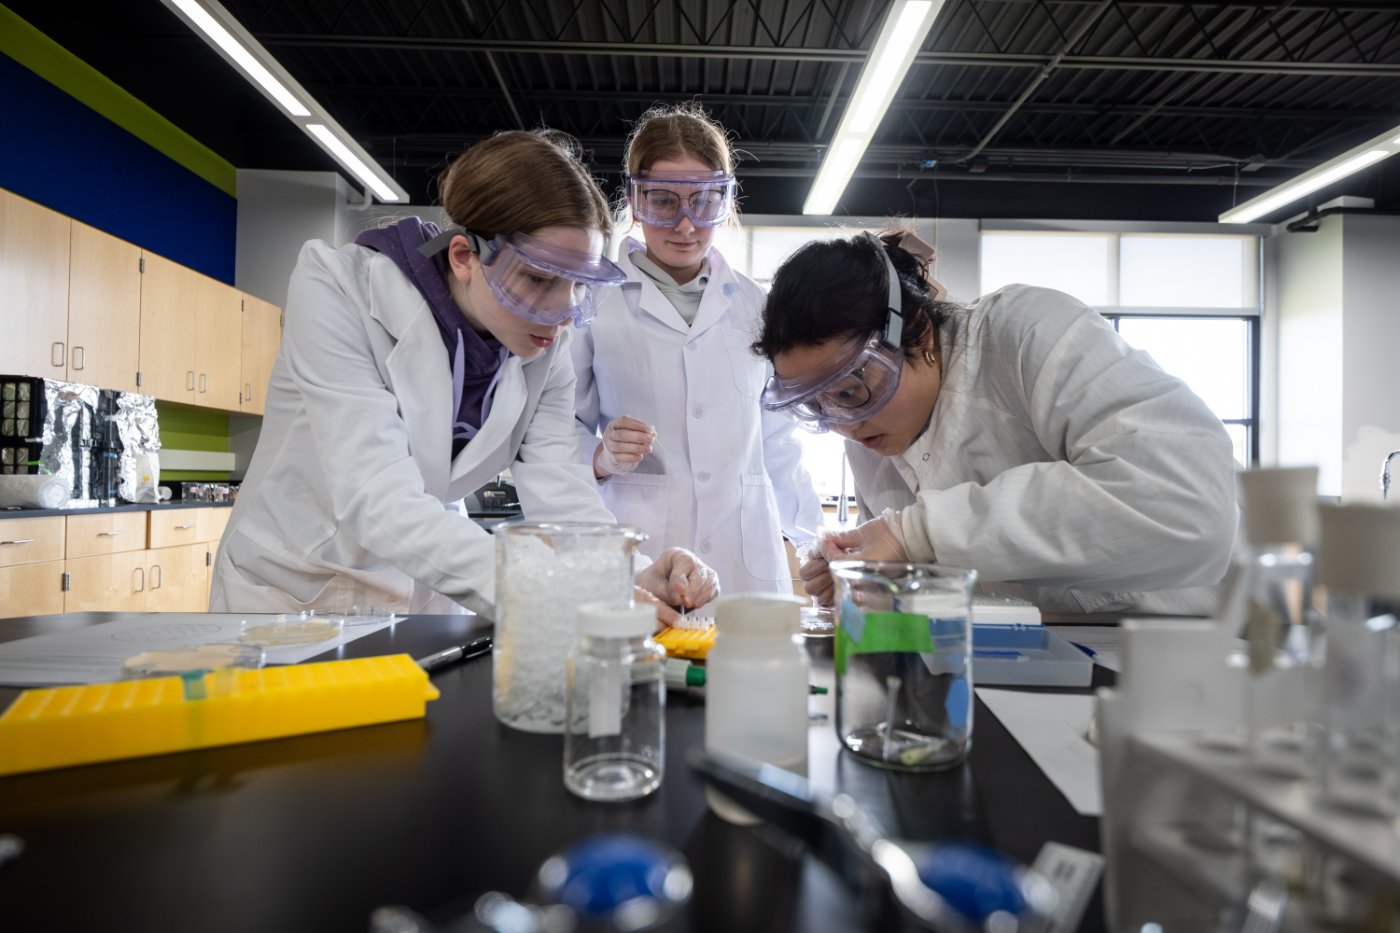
615	698
756	688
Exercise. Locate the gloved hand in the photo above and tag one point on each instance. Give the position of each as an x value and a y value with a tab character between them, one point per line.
680	580
815	572
626	441
881	538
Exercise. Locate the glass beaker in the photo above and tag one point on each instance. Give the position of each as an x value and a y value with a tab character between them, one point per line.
903	663
544	572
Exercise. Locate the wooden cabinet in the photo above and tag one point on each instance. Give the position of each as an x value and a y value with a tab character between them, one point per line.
177	579
262	335
173	527
31	540
169	296
105	533
104	310
34	244
31	566
218	337
106	583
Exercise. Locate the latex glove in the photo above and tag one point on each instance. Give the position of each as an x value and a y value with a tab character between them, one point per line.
680	580
626	441
881	538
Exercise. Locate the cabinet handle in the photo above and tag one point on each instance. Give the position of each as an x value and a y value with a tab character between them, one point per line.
204	382
139	581
19	541
189	380
157	576
183	527
249	394
79	357
57	353
110	534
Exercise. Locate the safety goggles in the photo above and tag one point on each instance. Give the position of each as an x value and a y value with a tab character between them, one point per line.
662	198
862	379
534	279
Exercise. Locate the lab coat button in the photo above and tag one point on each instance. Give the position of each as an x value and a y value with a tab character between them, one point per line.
703	476
692	345
705	546
926	457
698	411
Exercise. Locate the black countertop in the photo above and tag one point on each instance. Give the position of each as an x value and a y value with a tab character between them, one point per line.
124	507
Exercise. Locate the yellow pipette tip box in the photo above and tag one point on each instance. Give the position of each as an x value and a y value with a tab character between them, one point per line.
693	643
56	727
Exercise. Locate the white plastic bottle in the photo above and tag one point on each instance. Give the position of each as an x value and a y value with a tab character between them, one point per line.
756	688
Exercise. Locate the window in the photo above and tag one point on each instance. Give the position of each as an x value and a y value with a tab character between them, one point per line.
1190	300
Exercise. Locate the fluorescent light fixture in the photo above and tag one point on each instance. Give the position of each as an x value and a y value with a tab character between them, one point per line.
1333	170
905	28
221	30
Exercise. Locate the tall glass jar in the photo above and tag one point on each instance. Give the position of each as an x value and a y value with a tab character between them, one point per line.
614	747
544	571
903	663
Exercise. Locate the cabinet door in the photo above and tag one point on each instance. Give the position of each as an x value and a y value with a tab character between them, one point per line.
219	338
177	579
31	589
107	583
104	310
169	295
262	335
33	289
215	521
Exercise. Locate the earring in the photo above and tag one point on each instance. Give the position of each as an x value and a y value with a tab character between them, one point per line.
929	357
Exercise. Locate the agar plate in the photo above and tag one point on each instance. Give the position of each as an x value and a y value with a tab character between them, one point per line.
301	629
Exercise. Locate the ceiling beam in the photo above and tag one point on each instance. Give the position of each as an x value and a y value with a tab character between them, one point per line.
796	54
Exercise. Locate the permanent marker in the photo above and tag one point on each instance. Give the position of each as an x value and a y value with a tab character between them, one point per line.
472	649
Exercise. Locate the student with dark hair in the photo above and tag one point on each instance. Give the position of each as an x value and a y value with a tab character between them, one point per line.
418	364
1019	436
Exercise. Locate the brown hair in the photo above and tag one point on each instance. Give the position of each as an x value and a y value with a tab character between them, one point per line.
675	131
520	181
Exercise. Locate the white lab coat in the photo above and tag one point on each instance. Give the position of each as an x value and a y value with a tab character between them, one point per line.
353	497
725	478
1061	458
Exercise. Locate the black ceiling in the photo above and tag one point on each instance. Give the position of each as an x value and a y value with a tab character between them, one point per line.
1117	109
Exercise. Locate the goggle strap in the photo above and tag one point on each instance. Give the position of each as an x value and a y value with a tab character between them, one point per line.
483	248
894	321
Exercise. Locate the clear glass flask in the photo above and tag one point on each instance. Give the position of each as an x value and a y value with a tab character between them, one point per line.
903	663
614	746
543	572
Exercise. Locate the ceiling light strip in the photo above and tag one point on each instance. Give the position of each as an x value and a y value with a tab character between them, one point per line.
1314	179
906	26
221	30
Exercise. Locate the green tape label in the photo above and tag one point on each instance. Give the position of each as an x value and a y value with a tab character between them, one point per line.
883	632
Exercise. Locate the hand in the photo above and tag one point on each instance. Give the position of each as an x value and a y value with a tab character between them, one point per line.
816	576
625	442
881	538
665	615
680	579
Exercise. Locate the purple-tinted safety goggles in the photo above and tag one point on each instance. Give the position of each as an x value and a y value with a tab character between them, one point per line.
663	198
862	379
534	279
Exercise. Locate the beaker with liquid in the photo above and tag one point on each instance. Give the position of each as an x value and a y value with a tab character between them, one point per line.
903	664
544	572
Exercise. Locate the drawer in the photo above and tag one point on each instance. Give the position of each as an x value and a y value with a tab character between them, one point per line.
30	540
31	589
174	527
106	533
216	521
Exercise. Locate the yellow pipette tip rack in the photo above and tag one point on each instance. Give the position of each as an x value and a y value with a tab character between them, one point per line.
56	727
693	643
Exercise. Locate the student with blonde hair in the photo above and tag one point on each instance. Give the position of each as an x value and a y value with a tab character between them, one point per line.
416	365
668	389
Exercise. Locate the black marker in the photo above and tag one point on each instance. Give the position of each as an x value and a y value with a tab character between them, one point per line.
472	649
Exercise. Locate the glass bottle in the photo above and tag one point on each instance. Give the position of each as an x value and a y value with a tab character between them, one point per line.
756	678
903	665
543	571
616	700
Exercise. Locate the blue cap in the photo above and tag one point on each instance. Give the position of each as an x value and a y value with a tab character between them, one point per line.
602	874
974	880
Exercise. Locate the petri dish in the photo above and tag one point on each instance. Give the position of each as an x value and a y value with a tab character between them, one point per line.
176	661
302	628
818	621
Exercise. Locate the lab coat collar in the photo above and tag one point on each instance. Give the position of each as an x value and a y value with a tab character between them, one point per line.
719	294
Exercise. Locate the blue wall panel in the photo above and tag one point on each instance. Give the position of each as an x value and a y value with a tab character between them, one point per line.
66	156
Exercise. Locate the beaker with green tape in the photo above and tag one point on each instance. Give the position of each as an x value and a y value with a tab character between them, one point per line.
903	663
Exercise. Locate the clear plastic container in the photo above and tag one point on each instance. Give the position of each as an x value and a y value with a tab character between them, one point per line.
614	748
756	679
903	665
544	571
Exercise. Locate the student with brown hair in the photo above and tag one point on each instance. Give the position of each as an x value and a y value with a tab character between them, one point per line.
667	385
416	365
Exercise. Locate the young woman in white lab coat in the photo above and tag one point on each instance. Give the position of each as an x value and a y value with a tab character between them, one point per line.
1019	436
668	387
415	366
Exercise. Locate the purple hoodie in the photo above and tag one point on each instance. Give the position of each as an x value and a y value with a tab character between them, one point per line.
475	359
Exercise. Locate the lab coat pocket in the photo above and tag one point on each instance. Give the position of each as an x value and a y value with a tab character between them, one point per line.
643	500
750	370
764	556
260	572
